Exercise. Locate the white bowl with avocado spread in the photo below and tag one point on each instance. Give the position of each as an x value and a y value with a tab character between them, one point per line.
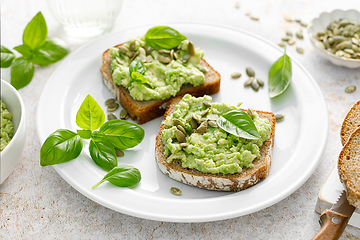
13	129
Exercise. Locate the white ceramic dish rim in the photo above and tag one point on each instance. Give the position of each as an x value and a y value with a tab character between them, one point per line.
22	118
314	41
209	216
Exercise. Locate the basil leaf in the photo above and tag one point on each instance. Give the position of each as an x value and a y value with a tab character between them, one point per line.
163	37
51	51
85	134
137	66
98	136
122	176
35	32
25	50
22	71
61	146
280	74
123	134
103	154
138	77
90	115
238	123
7	57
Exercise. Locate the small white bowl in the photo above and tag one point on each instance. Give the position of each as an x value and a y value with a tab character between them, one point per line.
11	154
320	23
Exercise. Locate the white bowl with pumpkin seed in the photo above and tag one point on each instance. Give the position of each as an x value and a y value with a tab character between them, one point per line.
336	37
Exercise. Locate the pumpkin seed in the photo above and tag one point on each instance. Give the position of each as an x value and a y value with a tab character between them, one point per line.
339	53
213	124
119	152
148	50
111	116
250	72
203	69
281	44
285	39
123	113
207	103
288	19
255	85
250	112
196	117
292	41
303	24
164	59
149	59
247	13
289	33
112	107
205	112
182	145
165	51
191	49
299	34
299	50
193	123
132	46
279	117
177	122
134	56
350	89
248	82
110	101
186	58
342	45
236	75
123	49
256	18
181	129
237	5
180	136
175	191
142	51
260	82
176	56
202	128
349	51
212	116
119	61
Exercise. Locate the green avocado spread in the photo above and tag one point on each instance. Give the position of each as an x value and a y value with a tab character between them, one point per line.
165	70
210	150
7	128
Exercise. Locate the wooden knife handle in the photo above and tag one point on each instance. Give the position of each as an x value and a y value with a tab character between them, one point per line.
332	225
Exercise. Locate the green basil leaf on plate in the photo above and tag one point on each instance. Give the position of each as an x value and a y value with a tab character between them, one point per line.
103	154
61	146
123	134
22	71
51	51
90	115
279	76
35	32
84	134
122	176
7	57
238	123
25	50
163	37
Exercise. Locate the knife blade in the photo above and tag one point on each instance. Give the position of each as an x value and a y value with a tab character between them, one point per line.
333	221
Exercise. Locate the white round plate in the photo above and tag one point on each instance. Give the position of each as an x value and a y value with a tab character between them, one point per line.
299	140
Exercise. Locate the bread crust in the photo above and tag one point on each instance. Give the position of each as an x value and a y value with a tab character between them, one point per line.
349	168
144	111
221	182
350	123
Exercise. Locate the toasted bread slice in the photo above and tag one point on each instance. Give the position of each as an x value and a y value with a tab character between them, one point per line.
145	111
349	168
350	123
222	182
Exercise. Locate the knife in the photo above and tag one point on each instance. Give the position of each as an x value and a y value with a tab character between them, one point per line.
333	221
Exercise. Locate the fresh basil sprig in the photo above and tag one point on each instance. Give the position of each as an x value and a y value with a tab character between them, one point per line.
36	49
64	145
122	176
163	37
137	70
238	123
280	74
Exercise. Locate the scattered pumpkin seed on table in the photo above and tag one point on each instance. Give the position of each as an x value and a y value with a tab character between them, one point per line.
250	72
112	107
279	117
299	50
119	152
111	116
350	89
110	101
176	191
249	81
123	113
236	75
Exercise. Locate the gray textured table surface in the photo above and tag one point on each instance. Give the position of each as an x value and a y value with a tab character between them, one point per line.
36	203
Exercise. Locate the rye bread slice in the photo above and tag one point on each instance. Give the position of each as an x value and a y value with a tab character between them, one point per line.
349	168
144	111
222	182
350	123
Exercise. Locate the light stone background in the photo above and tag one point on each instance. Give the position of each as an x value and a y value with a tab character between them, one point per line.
36	203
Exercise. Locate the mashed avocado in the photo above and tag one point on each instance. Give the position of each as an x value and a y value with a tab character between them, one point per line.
213	151
166	70
7	128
